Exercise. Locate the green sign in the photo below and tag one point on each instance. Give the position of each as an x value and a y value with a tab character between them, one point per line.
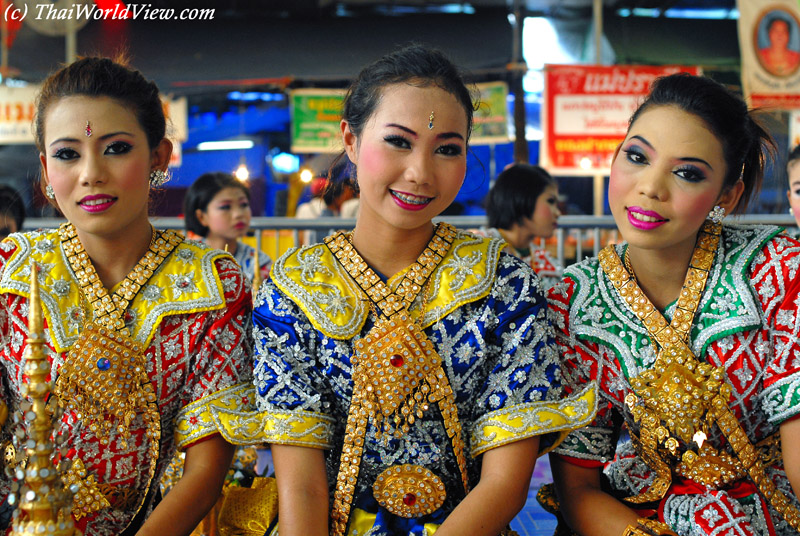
316	114
491	119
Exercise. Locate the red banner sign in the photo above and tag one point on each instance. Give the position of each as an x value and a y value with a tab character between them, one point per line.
586	111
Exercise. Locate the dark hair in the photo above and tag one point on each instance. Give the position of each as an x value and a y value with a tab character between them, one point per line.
778	18
794	156
103	77
200	194
416	65
11	204
514	194
745	143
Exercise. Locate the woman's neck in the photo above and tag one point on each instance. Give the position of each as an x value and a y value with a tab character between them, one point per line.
511	236
218	242
661	272
390	250
114	257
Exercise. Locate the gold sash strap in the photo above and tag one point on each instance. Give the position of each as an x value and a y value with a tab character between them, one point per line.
397	372
681	396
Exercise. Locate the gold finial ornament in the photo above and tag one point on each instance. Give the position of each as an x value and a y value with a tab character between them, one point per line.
44	503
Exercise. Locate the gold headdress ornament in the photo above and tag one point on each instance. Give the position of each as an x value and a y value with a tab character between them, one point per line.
430	122
88	130
44	503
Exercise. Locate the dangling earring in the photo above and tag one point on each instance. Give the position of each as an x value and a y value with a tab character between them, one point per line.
49	192
158	178
717	214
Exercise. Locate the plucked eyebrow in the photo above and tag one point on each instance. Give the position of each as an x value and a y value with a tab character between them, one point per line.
682	158
441	136
103	137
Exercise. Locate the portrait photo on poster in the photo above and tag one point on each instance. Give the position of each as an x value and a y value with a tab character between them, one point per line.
777	41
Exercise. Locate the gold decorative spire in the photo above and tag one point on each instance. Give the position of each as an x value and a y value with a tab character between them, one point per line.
44	503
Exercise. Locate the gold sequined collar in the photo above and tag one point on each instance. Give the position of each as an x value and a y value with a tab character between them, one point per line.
333	302
110	311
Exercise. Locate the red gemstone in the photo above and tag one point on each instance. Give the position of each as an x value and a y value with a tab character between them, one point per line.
396	360
409	499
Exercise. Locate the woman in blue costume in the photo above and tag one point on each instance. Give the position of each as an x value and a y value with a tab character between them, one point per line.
406	370
690	329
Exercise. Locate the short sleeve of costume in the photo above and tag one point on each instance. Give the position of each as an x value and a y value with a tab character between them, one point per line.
582	369
289	384
774	273
523	395
221	346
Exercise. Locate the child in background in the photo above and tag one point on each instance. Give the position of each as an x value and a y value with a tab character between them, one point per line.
217	207
521	207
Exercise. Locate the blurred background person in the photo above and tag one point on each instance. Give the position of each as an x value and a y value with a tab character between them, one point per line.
217	208
12	211
793	193
521	207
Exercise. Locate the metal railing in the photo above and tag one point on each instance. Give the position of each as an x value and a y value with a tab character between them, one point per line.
583	233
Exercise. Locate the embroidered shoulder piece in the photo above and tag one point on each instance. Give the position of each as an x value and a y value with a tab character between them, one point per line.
728	304
186	282
336	306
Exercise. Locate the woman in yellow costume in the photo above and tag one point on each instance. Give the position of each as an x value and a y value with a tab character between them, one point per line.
690	329
406	370
147	333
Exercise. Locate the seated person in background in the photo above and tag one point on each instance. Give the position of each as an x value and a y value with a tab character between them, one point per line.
217	207
522	206
328	201
12	211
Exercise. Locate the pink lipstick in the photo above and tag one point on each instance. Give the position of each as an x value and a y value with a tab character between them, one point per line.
409	201
645	220
97	203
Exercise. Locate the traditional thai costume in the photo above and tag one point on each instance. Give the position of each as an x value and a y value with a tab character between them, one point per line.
405	382
146	368
690	399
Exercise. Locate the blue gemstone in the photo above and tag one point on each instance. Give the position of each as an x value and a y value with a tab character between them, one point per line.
103	363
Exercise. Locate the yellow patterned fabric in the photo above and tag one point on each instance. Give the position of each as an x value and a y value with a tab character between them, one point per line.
335	305
189	284
249	511
536	418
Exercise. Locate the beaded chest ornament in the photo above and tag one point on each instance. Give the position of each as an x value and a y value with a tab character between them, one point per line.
104	377
679	398
397	374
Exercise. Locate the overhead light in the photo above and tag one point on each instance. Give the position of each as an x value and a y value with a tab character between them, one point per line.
586	163
225	145
306	175
242	173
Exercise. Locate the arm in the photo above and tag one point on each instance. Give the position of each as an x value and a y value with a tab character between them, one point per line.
790	443
500	494
581	499
302	490
195	493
